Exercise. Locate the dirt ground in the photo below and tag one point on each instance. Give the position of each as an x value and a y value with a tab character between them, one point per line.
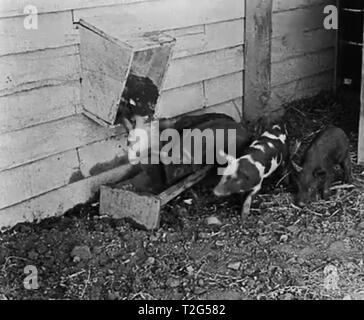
202	250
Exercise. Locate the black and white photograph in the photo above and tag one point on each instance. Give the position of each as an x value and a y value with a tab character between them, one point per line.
189	151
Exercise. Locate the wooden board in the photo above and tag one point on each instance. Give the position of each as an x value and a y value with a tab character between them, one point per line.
34	143
301	88
103	156
35	69
37	178
302	67
233	108
302	20
216	36
180	100
161	15
105	66
301	43
57	202
204	66
10	8
29	108
225	88
284	5
54	30
258	58
144	209
199	95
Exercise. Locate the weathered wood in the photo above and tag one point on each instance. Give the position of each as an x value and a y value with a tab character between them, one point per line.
109	60
180	100
105	66
183	185
233	108
217	36
300	43
199	95
57	202
302	19
103	156
54	30
162	15
284	5
29	108
9	8
225	88
186	31
302	67
204	66
301	88
144	209
36	178
35	69
34	143
258	57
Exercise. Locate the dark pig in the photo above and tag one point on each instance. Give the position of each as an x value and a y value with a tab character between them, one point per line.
245	175
329	148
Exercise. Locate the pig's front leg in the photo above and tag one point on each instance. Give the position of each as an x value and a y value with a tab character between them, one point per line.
346	166
248	201
246	206
326	186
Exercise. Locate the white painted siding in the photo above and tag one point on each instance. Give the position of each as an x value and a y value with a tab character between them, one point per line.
52	157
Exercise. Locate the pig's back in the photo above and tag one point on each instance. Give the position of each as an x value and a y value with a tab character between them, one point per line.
331	144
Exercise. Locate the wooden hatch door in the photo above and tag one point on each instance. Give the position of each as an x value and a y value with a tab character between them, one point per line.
109	58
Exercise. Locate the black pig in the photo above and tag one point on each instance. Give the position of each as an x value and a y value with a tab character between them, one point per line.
329	148
246	174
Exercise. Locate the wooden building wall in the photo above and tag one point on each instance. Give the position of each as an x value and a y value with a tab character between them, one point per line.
302	50
51	156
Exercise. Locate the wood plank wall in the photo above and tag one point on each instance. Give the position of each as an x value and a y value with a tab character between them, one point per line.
303	52
51	156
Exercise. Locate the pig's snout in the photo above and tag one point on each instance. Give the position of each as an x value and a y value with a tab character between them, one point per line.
218	192
300	201
301	204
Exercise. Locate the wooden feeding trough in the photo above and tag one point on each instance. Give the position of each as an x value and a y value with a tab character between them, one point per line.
142	197
112	63
129	200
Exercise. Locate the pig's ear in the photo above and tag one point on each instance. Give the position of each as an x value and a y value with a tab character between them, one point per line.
296	167
228	157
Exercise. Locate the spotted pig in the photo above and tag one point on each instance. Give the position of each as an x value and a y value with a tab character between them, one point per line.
264	156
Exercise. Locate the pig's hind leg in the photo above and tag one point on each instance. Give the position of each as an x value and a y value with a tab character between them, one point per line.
346	166
328	178
286	170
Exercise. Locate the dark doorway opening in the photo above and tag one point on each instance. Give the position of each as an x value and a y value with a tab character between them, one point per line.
350	44
349	75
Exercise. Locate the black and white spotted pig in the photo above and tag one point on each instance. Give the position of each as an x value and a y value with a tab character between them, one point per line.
246	174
